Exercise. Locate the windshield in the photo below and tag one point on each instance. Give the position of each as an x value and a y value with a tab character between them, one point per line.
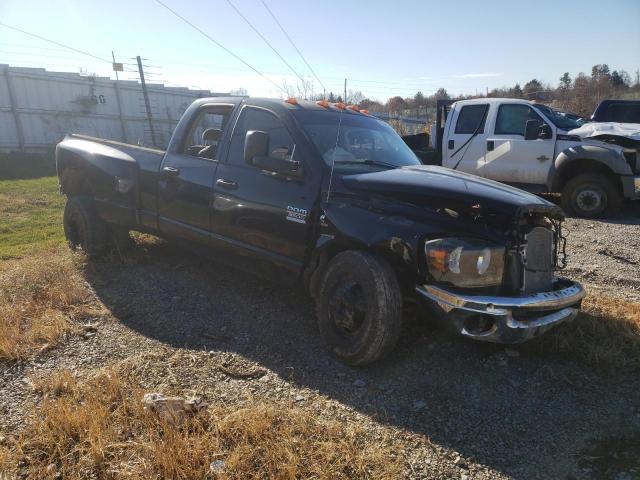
364	143
561	120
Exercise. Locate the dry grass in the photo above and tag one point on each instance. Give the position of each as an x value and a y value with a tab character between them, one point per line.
99	429
39	295
605	335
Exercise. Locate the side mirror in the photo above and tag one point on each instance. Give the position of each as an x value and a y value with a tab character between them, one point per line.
531	130
544	131
256	144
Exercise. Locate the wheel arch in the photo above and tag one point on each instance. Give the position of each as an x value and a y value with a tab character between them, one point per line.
568	168
327	248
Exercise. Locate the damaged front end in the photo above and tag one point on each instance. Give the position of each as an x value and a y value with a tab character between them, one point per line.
521	298
486	254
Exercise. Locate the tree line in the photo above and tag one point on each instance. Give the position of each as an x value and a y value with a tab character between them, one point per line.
579	94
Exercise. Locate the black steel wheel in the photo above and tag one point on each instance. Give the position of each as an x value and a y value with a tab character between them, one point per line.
359	307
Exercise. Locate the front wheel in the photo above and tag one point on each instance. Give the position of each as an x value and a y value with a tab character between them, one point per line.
359	307
591	195
83	227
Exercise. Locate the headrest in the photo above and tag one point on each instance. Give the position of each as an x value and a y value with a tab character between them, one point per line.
212	134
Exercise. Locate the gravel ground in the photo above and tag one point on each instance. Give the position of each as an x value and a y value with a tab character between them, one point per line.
462	410
605	255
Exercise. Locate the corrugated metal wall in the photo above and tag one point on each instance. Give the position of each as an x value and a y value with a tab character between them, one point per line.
38	108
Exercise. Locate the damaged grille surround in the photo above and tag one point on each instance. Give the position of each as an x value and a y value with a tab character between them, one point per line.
532	299
539	247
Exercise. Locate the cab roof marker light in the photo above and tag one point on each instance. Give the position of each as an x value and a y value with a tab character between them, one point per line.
291	101
323	103
366	112
340	106
353	108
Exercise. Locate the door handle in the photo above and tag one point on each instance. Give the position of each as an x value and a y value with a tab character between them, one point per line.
452	144
171	171
490	145
542	158
228	184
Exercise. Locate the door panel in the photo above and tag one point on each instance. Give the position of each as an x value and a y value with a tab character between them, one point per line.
263	211
185	186
512	158
467	158
184	196
259	210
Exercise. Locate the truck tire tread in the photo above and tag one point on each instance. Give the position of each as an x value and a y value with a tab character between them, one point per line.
83	227
613	195
383	323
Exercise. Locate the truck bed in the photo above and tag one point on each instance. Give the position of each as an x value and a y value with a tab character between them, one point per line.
122	177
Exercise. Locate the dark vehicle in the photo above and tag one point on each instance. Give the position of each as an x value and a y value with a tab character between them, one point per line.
334	199
620	111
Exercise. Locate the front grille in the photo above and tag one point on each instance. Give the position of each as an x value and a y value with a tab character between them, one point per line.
537	260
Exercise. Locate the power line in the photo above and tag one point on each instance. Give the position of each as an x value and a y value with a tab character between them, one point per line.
292	43
204	69
39	55
220	45
39	47
265	40
54	42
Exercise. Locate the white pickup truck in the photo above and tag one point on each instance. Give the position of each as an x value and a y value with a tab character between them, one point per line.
528	145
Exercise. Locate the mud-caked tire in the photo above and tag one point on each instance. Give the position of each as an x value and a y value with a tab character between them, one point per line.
591	195
83	228
359	307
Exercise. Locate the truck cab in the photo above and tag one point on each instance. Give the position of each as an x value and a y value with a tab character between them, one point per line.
528	145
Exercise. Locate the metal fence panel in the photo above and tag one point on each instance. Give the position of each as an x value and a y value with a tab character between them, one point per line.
38	108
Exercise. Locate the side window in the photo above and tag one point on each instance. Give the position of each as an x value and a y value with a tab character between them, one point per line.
281	144
622	113
470	118
206	132
512	119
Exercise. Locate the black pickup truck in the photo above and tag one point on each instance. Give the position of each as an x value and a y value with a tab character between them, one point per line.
333	199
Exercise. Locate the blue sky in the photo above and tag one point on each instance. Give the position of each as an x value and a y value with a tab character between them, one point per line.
384	48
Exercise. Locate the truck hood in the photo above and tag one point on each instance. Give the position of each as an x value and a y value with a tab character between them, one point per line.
622	134
438	187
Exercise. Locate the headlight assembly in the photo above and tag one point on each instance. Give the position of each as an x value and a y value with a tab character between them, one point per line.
465	262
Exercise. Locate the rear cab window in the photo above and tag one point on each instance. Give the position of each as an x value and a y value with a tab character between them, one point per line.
205	133
619	112
472	118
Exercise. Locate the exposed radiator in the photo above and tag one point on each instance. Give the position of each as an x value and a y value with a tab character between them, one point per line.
538	260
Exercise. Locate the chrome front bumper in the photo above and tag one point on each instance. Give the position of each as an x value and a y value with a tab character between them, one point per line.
504	319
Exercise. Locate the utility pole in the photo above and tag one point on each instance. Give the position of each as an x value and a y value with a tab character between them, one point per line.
345	91
147	105
118	67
